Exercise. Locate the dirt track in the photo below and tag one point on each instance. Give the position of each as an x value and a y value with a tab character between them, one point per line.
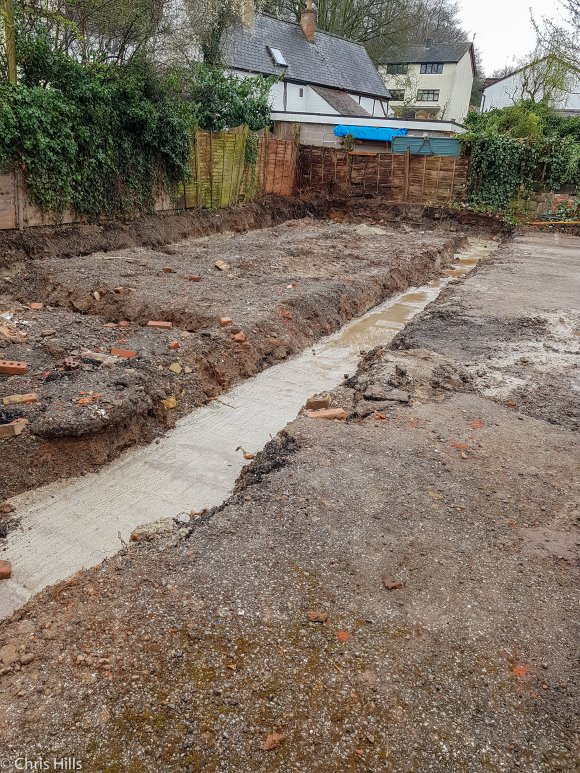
282	288
194	651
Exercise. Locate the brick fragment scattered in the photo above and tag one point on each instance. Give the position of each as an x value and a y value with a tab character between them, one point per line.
159	323
173	345
36	306
317	403
13	428
225	321
239	337
126	354
328	413
5	570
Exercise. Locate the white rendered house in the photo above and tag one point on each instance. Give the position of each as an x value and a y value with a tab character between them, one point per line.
431	80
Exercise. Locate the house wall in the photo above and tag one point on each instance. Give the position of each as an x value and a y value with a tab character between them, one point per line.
285	96
372	106
454	85
508	91
460	96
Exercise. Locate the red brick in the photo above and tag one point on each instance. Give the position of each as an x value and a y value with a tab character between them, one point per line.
36	306
194	278
123	323
239	337
225	321
128	354
168	270
5	570
13	367
173	345
161	324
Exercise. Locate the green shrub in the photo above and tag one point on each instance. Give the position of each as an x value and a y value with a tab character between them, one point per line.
100	139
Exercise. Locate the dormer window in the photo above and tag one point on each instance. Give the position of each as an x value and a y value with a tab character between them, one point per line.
277	57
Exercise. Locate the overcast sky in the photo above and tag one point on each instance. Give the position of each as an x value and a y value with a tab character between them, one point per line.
503	28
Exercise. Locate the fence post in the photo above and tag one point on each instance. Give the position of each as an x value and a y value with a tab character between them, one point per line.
407	174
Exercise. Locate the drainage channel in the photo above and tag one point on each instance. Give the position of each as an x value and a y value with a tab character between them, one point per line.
71	525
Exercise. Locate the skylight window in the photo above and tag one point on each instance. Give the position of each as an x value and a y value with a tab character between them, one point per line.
277	56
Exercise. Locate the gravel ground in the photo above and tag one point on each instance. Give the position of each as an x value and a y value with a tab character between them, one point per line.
282	288
394	592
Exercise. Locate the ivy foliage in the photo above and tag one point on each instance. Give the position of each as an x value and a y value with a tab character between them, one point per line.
517	149
104	139
99	139
221	101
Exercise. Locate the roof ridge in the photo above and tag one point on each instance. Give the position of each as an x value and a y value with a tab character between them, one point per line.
318	32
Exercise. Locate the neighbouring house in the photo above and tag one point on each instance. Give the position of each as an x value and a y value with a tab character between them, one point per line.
433	80
324	80
545	80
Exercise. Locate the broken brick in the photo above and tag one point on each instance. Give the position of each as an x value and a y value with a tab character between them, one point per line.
123	323
194	278
239	337
225	321
161	324
13	428
13	367
273	741
392	584
317	403
30	397
5	570
168	270
36	306
127	354
328	413
172	345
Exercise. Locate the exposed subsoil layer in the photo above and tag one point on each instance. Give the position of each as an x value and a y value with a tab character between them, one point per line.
432	534
281	288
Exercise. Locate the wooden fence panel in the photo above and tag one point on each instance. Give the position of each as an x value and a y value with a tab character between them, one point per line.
396	176
220	177
8	202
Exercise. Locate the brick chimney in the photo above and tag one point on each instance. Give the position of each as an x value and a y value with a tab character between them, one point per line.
308	22
247	13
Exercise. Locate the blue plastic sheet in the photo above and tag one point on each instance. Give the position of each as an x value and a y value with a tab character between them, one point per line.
369	132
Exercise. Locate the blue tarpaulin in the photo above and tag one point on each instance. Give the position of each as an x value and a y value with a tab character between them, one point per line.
369	132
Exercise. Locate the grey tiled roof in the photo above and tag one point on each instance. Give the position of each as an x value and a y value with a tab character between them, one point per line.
437	53
329	61
341	101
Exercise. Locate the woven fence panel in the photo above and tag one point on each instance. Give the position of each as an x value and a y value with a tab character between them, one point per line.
280	167
395	176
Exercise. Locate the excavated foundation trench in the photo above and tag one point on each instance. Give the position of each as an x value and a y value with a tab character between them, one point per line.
65	527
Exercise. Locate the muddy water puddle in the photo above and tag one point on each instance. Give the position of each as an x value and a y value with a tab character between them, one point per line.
78	523
382	324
